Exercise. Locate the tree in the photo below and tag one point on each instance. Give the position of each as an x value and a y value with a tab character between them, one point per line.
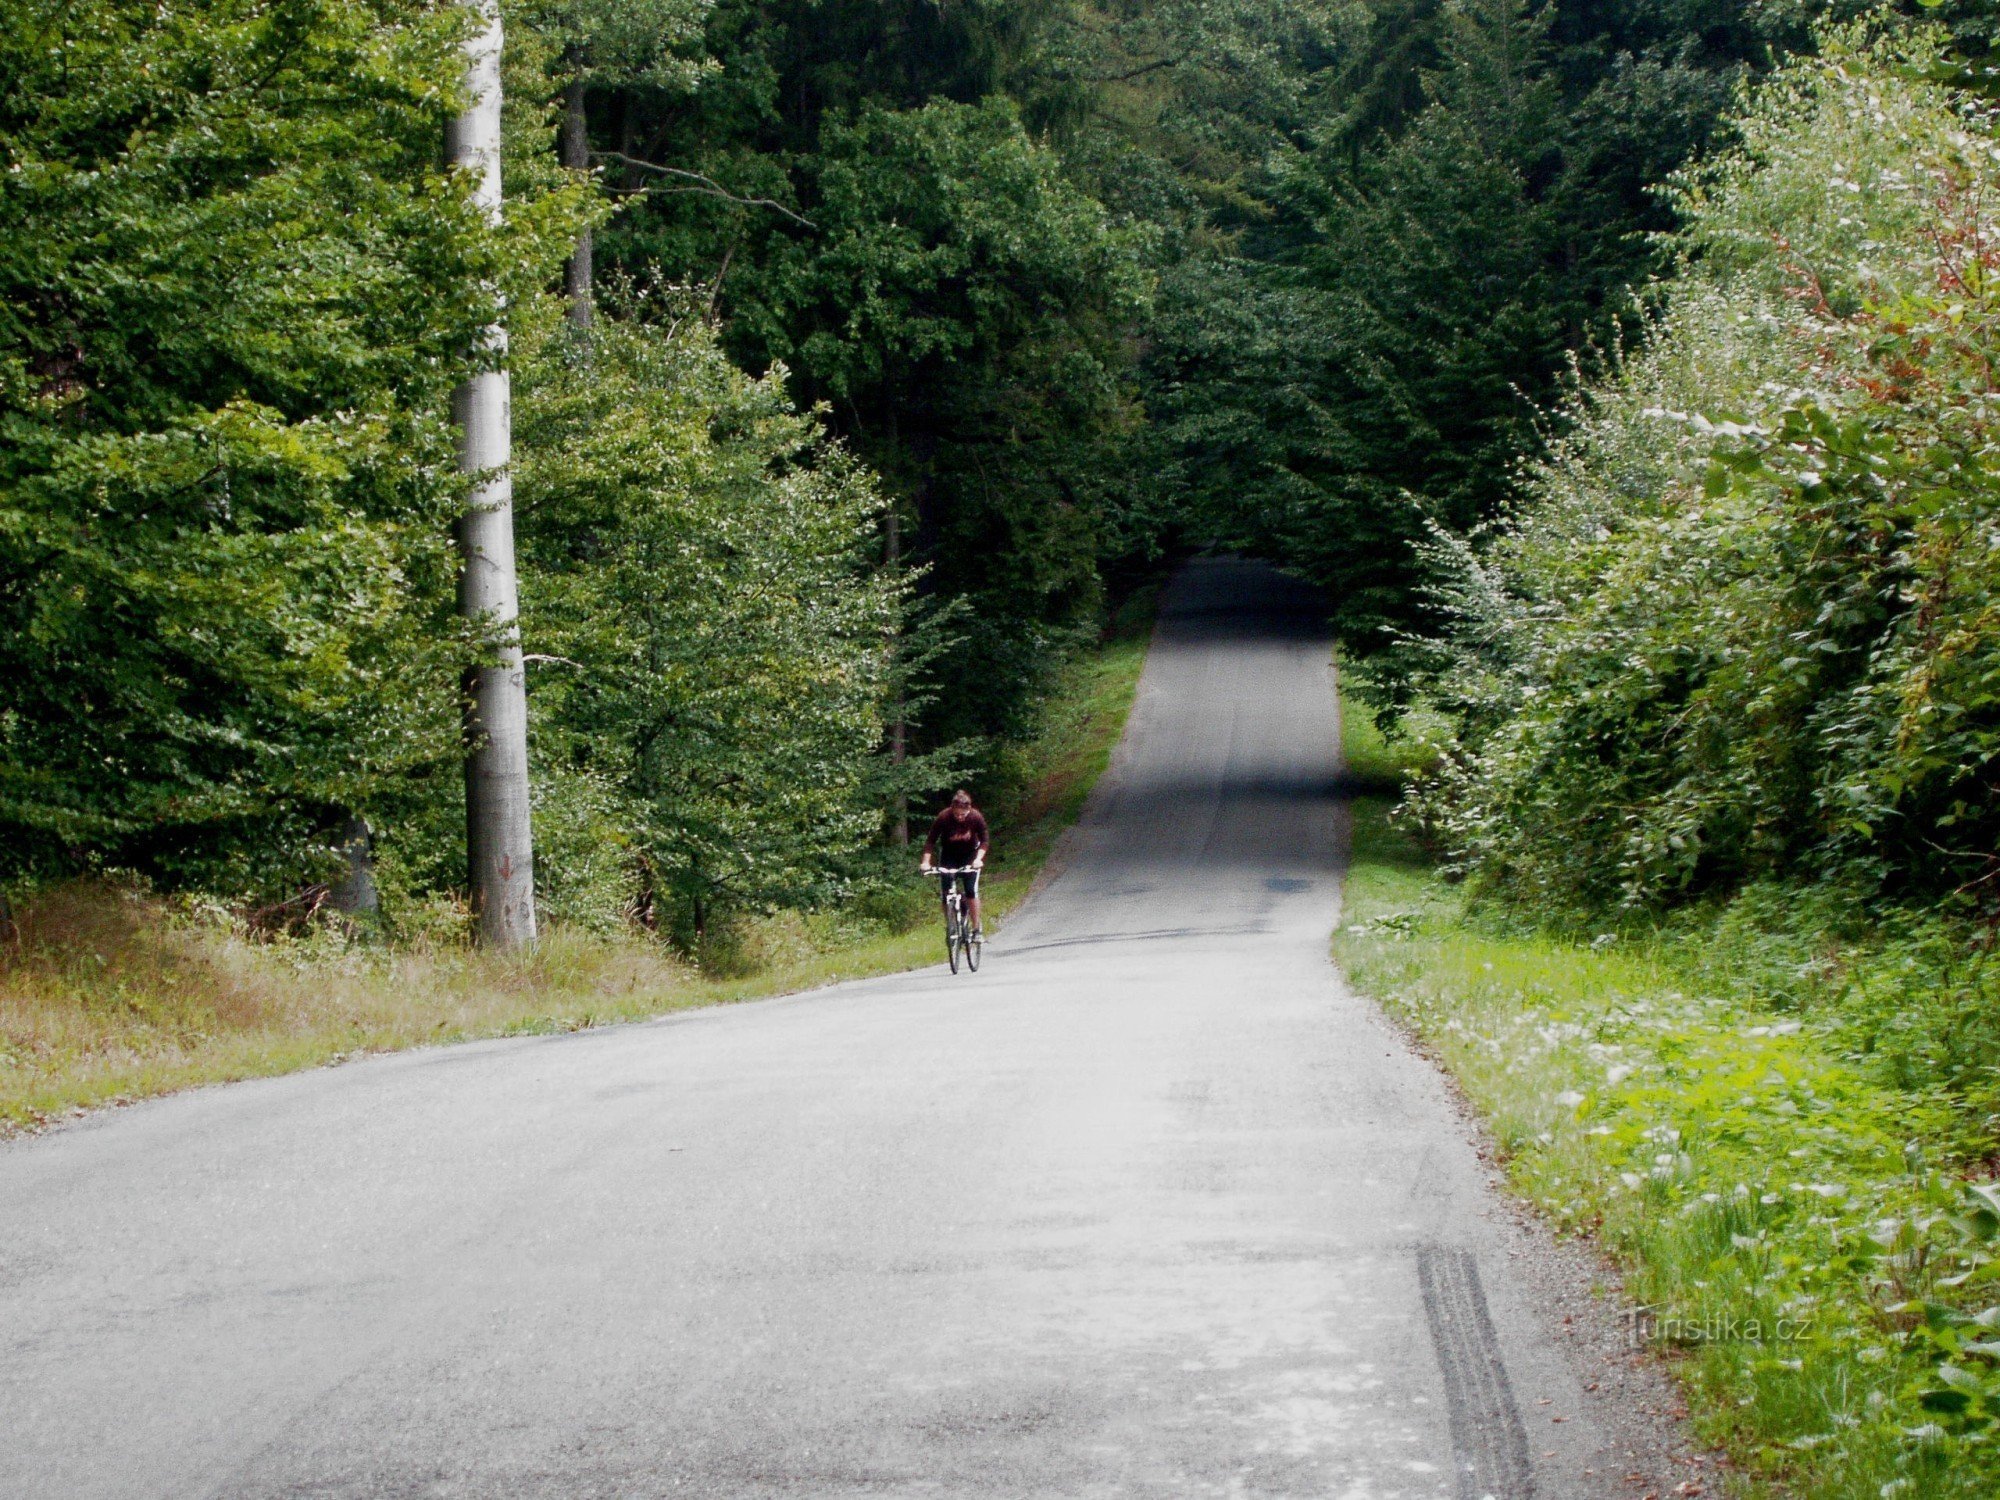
636	44
499	844
1742	626
932	275
1467	212
236	291
713	623
962	306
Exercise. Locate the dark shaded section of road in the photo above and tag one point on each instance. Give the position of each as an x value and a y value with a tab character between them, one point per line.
1152	1206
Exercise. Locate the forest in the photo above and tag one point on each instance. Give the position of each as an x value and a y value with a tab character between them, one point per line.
863	354
866	354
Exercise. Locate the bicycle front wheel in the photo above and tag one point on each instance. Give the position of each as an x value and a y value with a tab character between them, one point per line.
953	940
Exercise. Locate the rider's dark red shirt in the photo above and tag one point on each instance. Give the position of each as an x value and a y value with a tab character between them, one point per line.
957	837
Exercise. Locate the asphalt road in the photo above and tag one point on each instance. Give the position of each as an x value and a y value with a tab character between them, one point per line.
1152	1206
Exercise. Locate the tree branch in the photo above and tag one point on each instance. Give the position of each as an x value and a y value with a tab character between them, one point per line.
705	185
715	290
1140	71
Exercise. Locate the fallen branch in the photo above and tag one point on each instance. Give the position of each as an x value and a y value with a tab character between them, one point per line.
293	917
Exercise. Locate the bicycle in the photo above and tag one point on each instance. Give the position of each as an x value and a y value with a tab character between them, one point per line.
959	939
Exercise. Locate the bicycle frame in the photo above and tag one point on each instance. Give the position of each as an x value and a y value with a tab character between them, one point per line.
958	939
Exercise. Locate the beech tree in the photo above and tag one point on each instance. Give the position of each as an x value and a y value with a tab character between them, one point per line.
236	290
499	845
712	624
644	44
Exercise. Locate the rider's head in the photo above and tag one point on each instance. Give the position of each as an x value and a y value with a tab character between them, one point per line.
961	799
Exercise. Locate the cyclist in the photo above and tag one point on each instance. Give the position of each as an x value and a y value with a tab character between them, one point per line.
960	841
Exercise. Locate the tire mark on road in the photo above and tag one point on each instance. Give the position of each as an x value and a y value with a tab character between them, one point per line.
1489	1446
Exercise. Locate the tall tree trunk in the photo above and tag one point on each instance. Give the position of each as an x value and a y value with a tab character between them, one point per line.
899	730
355	894
499	845
574	144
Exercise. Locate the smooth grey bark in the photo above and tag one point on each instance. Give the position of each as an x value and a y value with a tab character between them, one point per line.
573	150
499	843
355	895
899	730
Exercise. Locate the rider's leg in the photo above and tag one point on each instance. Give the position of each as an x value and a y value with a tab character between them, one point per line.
972	907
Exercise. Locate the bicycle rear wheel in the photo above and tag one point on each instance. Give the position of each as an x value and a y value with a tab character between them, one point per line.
974	948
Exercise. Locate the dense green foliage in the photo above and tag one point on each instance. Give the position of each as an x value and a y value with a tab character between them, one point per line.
713	642
925	268
235	288
1464	202
1087	282
239	287
1743	625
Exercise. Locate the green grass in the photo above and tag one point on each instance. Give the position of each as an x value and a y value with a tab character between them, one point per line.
1784	1210
108	994
1375	764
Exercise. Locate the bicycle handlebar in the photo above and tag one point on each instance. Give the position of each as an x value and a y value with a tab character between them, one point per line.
934	870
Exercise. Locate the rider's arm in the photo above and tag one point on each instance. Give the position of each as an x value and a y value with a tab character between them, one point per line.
985	842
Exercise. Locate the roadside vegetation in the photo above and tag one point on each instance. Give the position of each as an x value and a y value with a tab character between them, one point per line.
112	992
1798	1227
1692	884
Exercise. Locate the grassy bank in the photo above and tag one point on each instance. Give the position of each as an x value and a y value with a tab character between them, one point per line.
109	994
1796	1221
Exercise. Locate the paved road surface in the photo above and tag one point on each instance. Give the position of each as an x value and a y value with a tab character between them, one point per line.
1153	1206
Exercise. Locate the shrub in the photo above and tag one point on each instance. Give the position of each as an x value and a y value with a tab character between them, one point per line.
1745	623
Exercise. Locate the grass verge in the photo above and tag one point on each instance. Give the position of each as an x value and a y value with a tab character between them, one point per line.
1797	1227
109	994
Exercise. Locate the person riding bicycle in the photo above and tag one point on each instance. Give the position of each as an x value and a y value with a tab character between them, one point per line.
960	841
